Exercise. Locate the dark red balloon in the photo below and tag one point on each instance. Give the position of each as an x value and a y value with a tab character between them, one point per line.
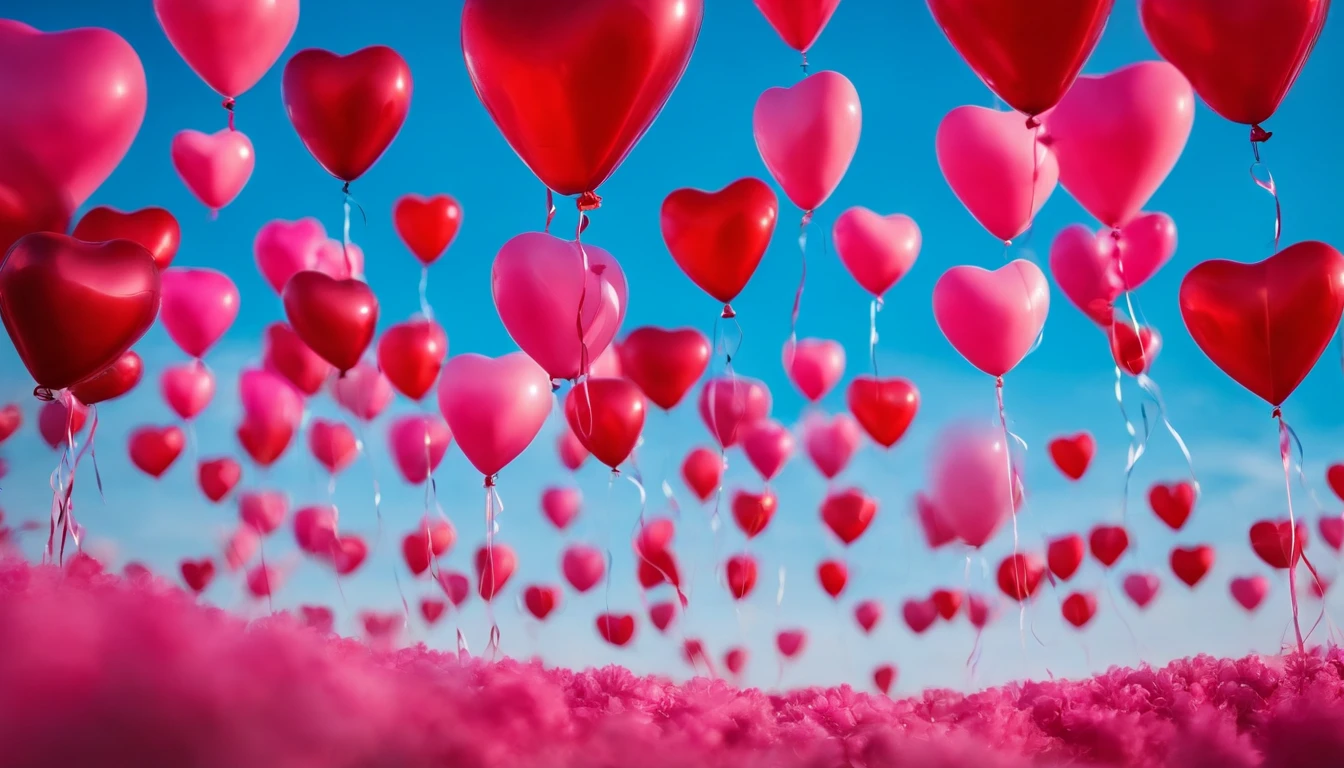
718	238
1134	352
197	574
411	354
1028	52
883	407
541	600
574	85
264	442
947	601
1266	324
1274	540
754	511
848	513
1065	554
115	381
334	318
607	416
218	477
494	566
1079	608
664	364
740	574
73	308
798	22
285	353
347	109
28	201
427	225
1108	543
153	228
1190	564
833	576
153	450
702	469
1019	575
616	628
1172	503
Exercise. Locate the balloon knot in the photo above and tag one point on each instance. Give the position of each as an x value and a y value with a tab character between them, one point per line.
1116	234
228	103
1033	123
345	188
1260	135
589	201
1277	414
728	312
489	481
555	385
44	394
998	382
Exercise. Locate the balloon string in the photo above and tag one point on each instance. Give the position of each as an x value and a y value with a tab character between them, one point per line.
1034	126
550	209
802	278
1259	136
1012	500
1285	456
588	201
425	309
1151	389
228	106
873	308
93	454
804	65
345	229
490	529
1298	460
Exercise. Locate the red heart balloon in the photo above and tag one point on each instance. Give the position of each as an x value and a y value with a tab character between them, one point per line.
848	514
1108	543
1134	352
919	615
616	628
883	407
264	442
432	610
73	308
607	416
427	225
198	573
702	470
153	228
661	615
868	613
415	548
1190	564
948	602
884	676
798	22
573	86
494	566
217	477
541	600
285	353
153	450
1332	531
719	238
1073	454
11	418
1064	555
753	511
334	318
1274	540
333	444
833	576
1242	56
1027	51
1019	575
115	381
740	574
1334	476
1266	324
1079	608
664	364
411	354
29	200
347	109
1172	503
455	585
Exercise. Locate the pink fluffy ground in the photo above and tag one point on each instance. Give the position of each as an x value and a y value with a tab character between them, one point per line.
101	672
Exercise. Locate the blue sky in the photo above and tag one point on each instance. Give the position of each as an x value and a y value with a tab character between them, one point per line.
908	77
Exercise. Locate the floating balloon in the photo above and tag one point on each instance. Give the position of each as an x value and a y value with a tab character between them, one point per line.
218	477
701	470
1134	352
768	446
664	364
791	642
1079	608
214	166
541	600
1141	588
113	382
719	238
334	318
264	511
798	22
831	443
969	478
29	201
754	511
153	450
833	576
432	610
1250	591
494	406
740	575
936	532
807	135
814	366
411	354
561	506
283	249
607	415
11	418
199	306
730	405
1172	503
1064	555
285	354
363	392
618	629
661	615
197	574
187	388
947	601
1190	564
877	250
1072	454
1108	543
868	613
919	615
884	408
884	677
997	168
1332	531
229	44
848	514
155	229
992	318
417	444
333	445
1020	575
58	422
427	225
572	453
1279	543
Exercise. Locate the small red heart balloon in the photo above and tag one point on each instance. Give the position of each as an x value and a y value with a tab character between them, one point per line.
285	353
427	225
1172	503
833	576
455	585
115	380
153	450
791	642
30	201
1274	540
264	442
198	573
753	511
1064	555
217	477
718	238
1108	543
868	613
661	615
494	566
73	308
411	355
1190	564
616	628
948	602
57	421
798	22
1266	324
416	550
607	415
432	610
1019	575
1332	531
1079	608
333	444
334	318
702	469
541	600
919	615
883	407
740	574
155	229
1073	453
1134	352
347	109
848	514
884	676
664	364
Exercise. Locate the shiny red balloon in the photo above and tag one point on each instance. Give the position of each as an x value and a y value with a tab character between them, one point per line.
1134	352
848	514
798	22
1274	540
540	600
334	318
115	380
347	109
73	308
264	442
883	407
57	423
664	364
1027	51
754	511
153	450
155	229
607	416
1019	575
283	352
702	469
411	355
719	238
1266	324
217	477
427	225
574	85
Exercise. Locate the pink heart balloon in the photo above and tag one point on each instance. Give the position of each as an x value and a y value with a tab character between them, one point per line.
561	506
199	305
285	248
417	444
187	388
814	366
768	445
1250	591
1083	264
215	167
731	405
992	318
269	400
1142	588
1118	136
315	529
335	259
831	443
538	283
1147	243
969	482
74	102
807	135
229	43
987	158
877	250
494	406
583	566
263	511
364	392
241	547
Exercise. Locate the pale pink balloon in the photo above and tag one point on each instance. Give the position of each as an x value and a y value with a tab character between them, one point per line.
1083	264
263	511
1142	588
992	318
214	166
990	159
417	444
1147	243
538	282
561	506
571	450
494	406
877	250
583	566
198	306
241	547
1117	137
73	101
814	366
606	366
768	445
187	388
229	43
269	400
970	483
731	404
807	135
831	442
364	392
334	259
284	248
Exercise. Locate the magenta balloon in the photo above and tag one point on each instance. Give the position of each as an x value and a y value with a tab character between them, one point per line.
561	505
269	400
214	166
284	248
731	405
814	366
877	250
831	442
187	388
807	135
969	482
199	305
417	444
364	392
992	318
768	445
229	43
494	406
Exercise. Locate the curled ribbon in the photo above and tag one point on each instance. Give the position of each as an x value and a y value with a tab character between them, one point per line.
1259	136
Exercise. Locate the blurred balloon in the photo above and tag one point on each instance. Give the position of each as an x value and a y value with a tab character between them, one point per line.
753	511
833	576
1172	503
739	573
1250	591
494	566
729	405
877	250
768	446
187	388
153	450
284	353
1108	543
541	600
334	318
199	306
884	408
798	22
848	513
417	444
363	392
583	566
702	470
1079	608
1190	564
113	382
814	366
1019	575
971	481
218	477
332	444
664	364
617	629
919	615
264	511
283	249
1072	454
1065	554
571	450
561	506
56	422
1142	588
607	415
831	442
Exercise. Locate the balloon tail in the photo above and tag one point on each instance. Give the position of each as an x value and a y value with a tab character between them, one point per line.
550	209
228	105
802	278
873	309
588	201
1034	126
1264	179
804	65
93	454
1008	439
1151	389
425	309
491	527
1285	456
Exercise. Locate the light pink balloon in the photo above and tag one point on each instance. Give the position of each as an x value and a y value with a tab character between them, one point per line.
606	366
1147	243
241	547
877	250
561	506
263	511
969	482
583	566
364	392
417	444
187	388
1142	588
988	161
73	101
538	283
729	405
494	406
1117	137
335	260
571	450
807	135
831	442
814	366
214	166
269	400
992	318
1250	591
198	306
229	43
1083	264
768	445
284	248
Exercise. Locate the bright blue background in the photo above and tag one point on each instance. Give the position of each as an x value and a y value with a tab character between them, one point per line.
908	77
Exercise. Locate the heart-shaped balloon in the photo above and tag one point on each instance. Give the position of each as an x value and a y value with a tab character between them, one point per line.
884	677
729	405
334	318
996	167
718	238
347	109
1134	352
992	318
1266	324
561	506
607	415
1279	542
113	382
1242	56
74	101
1332	531
284	353
199	305
30	201
664	364
883	407
979	610
754	511
1064	555
571	451
798	22
1072	454
1083	265
411	354
229	43
868	613
339	260
1019	575
416	550
768	445
618	629
114	287
333	444
315	529
970	481
1079	608
848	514
264	442
197	574
432	610
494	566
948	602
739	572
661	615
1141	588
11	418
283	249
1190	564
702	469
583	566
1027	51
214	166
919	615
427	225
1108	543
539	284
1250	591
1146	243
317	618
264	511
814	366
494	406
187	388
833	576
57	422
541	600
831	442
153	450
790	642
569	133
417	444
807	135
1117	136
268	399
218	477
153	228
877	250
